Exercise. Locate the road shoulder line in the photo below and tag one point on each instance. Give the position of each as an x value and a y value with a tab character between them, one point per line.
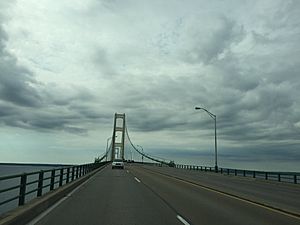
182	220
137	180
249	201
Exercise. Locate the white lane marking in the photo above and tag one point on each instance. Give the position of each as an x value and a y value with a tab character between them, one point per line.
45	213
270	208
137	179
182	220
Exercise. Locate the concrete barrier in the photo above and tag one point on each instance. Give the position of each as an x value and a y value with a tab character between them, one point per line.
35	207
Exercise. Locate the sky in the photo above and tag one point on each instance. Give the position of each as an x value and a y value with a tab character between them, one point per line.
66	67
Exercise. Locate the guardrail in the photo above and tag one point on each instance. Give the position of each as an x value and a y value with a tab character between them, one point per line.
288	177
36	184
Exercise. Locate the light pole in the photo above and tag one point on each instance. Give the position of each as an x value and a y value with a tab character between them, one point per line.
214	117
142	152
107	147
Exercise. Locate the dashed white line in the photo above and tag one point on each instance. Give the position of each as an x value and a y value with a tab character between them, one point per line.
137	179
182	220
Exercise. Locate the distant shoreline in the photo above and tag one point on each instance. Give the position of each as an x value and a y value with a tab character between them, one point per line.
35	164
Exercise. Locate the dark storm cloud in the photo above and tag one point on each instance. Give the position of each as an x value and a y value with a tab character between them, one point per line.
246	71
43	121
25	102
254	94
272	152
247	153
16	82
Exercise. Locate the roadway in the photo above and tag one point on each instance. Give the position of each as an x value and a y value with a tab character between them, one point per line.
141	195
278	195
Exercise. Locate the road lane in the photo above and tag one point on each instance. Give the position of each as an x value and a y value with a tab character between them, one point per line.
112	197
279	195
201	206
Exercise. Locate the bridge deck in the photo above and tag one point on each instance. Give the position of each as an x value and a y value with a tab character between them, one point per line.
143	195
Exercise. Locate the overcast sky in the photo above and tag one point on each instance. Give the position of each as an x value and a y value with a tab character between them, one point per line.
67	66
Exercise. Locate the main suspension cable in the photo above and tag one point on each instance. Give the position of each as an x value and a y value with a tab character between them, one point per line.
171	163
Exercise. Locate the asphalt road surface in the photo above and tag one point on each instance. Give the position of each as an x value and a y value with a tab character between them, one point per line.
142	196
280	195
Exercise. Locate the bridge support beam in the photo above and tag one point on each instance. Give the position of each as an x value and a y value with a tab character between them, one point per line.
120	128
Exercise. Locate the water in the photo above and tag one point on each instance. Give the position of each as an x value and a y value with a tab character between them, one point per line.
12	169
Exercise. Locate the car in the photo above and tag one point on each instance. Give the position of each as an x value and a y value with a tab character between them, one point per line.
117	163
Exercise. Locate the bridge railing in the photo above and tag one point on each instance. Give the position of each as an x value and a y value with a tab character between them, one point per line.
26	186
288	177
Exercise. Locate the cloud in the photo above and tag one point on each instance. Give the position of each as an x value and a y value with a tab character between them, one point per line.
238	60
210	43
16	82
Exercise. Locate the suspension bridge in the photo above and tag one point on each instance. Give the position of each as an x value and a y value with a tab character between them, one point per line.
157	193
119	147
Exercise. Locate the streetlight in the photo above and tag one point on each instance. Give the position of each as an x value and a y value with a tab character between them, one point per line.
214	117
142	152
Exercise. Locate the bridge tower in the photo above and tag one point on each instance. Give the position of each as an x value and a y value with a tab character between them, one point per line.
118	137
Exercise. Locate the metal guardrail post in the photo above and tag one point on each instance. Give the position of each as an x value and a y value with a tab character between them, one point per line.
266	175
40	183
68	175
244	173
221	170
61	177
235	172
77	168
295	179
279	178
227	171
22	189
254	174
52	179
73	172
209	169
